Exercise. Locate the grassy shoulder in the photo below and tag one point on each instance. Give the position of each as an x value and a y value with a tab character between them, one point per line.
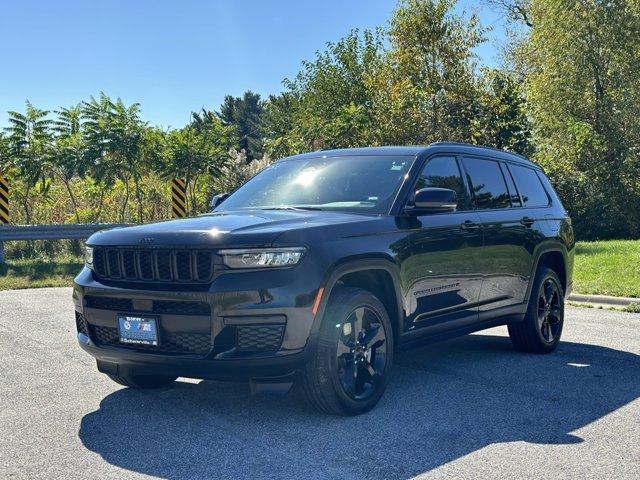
609	267
39	272
602	268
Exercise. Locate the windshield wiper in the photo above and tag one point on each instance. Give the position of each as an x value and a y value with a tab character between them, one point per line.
291	207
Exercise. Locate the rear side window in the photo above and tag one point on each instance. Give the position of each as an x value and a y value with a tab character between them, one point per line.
443	172
487	184
529	186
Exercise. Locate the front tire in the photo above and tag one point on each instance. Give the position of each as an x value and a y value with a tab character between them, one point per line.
349	369
143	382
541	328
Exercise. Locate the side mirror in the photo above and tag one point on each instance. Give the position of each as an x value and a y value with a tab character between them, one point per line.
218	199
434	200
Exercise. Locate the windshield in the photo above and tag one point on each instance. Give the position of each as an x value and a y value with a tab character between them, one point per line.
359	183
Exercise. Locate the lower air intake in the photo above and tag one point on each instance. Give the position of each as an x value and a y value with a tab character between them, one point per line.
259	338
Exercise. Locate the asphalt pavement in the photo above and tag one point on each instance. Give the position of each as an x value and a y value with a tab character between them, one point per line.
466	408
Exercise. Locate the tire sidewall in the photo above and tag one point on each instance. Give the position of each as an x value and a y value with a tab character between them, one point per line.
543	276
337	313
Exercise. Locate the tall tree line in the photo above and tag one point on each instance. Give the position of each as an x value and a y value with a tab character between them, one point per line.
567	95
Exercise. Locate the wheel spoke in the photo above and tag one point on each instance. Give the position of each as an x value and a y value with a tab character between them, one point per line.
379	343
548	291
549	334
555	314
371	371
349	377
542	317
361	352
371	333
357	323
344	347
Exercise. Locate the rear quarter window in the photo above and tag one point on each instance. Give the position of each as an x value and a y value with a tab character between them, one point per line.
530	187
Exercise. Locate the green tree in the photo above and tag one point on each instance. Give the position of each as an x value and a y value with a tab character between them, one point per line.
30	146
584	93
114	135
68	159
426	86
502	119
516	10
5	153
197	153
282	137
245	114
328	103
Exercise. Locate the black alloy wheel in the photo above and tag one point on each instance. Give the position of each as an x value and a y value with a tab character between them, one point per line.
541	328
351	362
549	310
361	352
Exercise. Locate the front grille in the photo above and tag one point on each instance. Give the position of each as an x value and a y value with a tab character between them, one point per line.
170	342
81	324
153	265
259	338
165	307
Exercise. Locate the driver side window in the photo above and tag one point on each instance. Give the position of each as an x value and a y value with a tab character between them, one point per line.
443	172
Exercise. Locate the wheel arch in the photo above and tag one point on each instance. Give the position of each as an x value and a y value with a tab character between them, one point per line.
554	256
378	275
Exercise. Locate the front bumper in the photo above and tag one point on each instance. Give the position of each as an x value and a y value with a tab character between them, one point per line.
120	361
227	332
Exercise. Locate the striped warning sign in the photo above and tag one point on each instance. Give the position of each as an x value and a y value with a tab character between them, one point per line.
179	198
4	200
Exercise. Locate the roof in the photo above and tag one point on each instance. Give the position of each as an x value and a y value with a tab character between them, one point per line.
415	150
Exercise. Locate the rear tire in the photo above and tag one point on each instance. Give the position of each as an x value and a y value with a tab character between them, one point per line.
349	369
541	329
143	382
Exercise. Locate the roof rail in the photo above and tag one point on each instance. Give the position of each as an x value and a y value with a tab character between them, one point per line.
464	144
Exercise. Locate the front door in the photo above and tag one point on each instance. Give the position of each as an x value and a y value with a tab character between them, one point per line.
443	272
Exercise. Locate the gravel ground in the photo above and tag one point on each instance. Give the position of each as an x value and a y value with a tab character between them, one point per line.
466	408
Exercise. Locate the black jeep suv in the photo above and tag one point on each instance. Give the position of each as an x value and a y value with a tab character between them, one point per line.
324	264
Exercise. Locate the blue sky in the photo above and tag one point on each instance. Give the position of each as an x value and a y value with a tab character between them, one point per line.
172	57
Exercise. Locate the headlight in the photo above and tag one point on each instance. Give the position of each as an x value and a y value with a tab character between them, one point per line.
262	257
88	255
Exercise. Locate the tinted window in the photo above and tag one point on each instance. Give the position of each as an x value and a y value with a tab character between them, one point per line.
549	189
513	193
443	172
487	183
531	190
338	183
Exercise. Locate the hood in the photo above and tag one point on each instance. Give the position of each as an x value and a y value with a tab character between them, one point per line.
237	228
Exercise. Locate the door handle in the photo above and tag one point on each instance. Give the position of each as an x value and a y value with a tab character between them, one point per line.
469	226
527	221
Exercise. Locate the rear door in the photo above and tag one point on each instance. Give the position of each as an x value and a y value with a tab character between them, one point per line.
508	243
535	212
443	274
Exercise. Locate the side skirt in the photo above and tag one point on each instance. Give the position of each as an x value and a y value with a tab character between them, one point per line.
490	319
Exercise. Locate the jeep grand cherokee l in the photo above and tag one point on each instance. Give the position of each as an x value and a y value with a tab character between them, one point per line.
324	264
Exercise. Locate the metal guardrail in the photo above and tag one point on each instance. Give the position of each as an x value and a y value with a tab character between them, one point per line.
12	233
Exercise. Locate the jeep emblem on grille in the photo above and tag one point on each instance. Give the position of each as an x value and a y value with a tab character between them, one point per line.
146	241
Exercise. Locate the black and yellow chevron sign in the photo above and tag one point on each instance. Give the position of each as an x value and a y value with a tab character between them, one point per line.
4	200
179	198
